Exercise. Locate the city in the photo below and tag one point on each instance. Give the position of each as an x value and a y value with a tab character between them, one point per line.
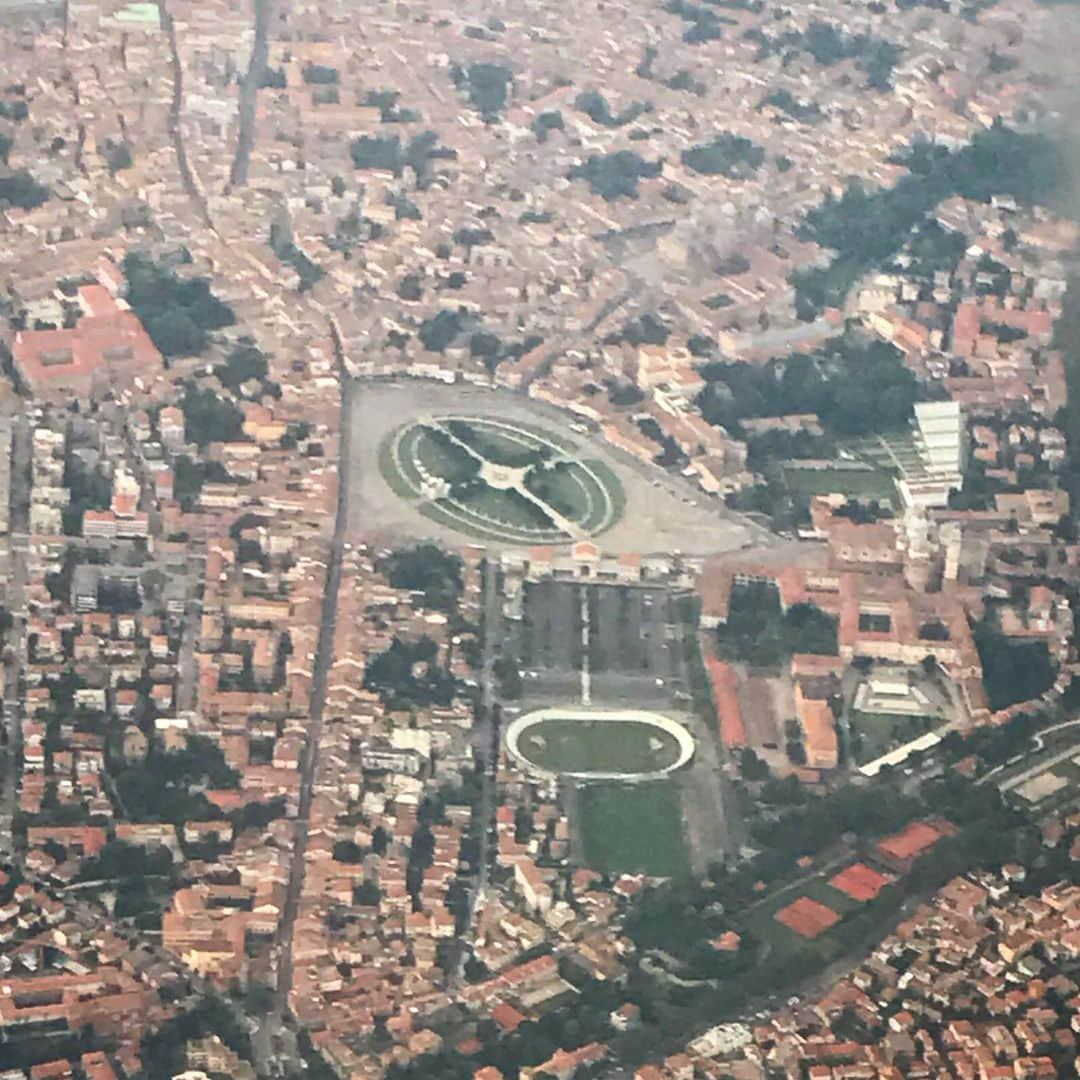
538	542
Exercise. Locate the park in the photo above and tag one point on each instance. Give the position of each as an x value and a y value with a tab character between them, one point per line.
500	479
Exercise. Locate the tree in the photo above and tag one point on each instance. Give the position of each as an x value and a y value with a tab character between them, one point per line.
438	333
595	106
21	190
523	823
727	155
547	122
377	152
410	289
117	155
175	333
346	851
616	175
429	570
487	86
209	418
407	672
1012	671
177	312
321	75
751	766
245	362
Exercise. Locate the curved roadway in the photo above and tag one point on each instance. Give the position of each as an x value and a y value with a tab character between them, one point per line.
677	731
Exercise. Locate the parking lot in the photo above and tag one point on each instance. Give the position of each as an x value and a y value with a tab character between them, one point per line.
633	644
550	633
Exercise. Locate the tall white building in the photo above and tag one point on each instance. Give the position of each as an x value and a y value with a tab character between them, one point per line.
939	439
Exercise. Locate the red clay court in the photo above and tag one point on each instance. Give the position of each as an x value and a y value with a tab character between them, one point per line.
807	917
903	848
860	882
726	701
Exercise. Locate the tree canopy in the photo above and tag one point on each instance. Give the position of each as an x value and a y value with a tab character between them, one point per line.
487	86
209	418
727	155
866	227
854	385
429	570
21	190
178	313
616	175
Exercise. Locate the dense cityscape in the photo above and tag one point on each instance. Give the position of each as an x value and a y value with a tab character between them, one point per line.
537	542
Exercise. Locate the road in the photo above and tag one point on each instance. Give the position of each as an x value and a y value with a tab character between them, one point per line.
1021	778
186	667
15	655
176	108
270	1025
486	744
711	816
1039	740
249	94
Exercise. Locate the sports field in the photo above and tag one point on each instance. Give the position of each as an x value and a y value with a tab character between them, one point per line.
633	828
856	483
599	744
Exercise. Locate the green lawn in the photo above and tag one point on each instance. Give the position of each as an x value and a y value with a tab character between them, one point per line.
598	746
569	489
633	828
854	483
614	488
874	734
440	455
504	506
399	479
499	446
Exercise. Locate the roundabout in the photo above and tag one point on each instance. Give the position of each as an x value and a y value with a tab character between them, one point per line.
501	480
599	744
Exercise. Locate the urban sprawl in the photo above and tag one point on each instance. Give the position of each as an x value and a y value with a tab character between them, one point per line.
538	540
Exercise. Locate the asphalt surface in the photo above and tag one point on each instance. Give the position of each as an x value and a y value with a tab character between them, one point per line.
324	655
15	656
486	736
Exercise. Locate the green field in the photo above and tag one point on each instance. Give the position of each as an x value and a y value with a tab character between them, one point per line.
500	446
854	483
440	455
504	506
633	828
621	746
591	497
576	494
874	734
